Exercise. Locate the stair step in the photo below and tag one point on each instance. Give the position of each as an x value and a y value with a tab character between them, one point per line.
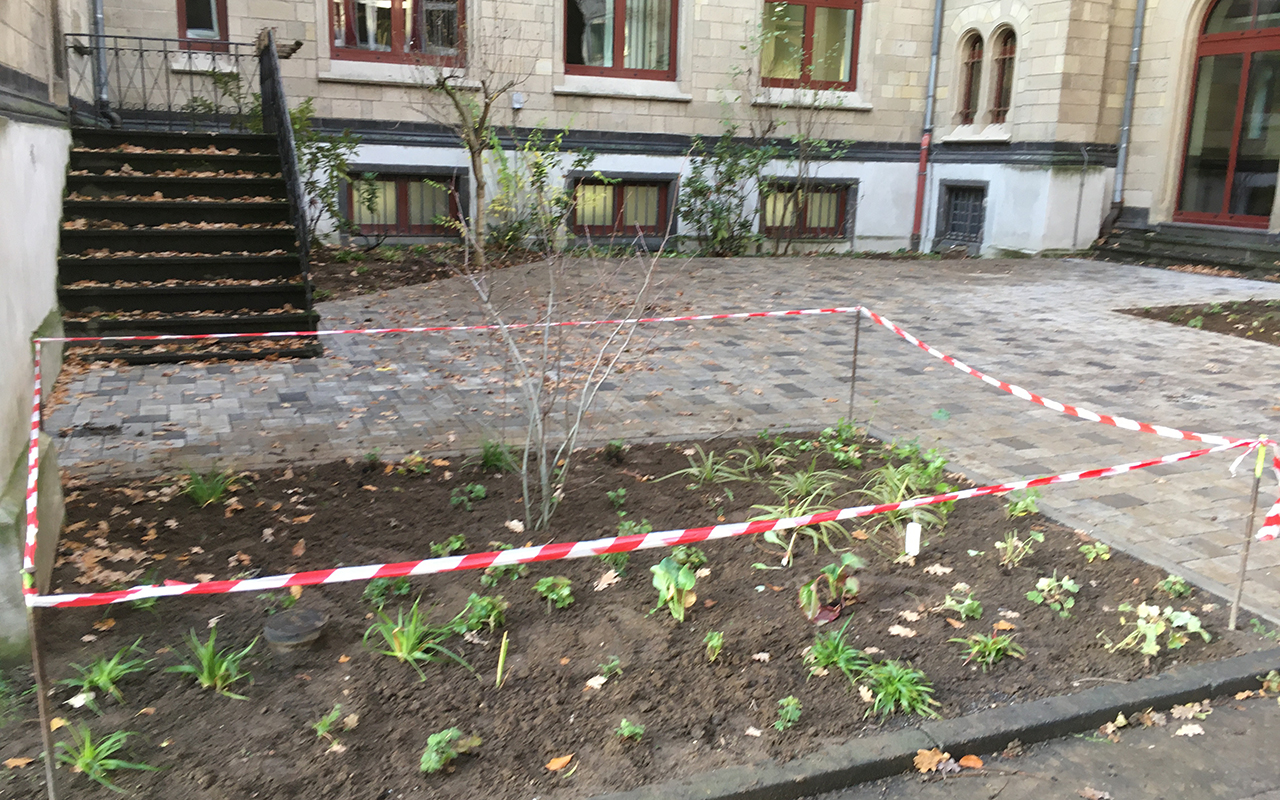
105	138
158	161
173	240
212	350
276	320
226	188
153	212
234	266
180	298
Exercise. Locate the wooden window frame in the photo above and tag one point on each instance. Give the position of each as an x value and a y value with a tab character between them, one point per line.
402	226
801	230
398	54
971	78
617	229
1006	55
806	47
619	42
218	45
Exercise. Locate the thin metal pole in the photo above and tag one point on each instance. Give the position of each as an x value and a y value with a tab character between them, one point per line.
1248	536
853	372
42	700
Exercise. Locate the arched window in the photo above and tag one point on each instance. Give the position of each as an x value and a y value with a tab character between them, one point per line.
1232	151
1006	49
972	77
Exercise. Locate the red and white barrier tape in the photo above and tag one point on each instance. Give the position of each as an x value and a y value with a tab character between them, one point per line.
33	483
564	550
454	328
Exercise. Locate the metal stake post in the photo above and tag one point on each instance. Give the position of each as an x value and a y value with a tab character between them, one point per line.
1248	535
853	372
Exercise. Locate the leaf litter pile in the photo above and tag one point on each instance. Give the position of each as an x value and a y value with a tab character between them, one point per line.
594	693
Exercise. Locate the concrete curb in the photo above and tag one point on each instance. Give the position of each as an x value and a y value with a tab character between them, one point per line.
866	759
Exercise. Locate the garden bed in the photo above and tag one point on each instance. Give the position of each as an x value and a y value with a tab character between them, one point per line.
697	715
1257	320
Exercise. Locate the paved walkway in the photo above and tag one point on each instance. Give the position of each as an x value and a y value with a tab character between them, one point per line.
1049	326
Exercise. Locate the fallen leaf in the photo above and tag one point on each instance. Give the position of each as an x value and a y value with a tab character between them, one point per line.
866	694
514	525
1120	721
689	599
204	577
302	519
1090	793
149	710
1012	750
80	700
198	550
955	623
871	651
938	569
1149	718
268	534
369	488
300	548
910	616
89	637
344	658
57	722
705	572
753	732
1190	729
606	580
559	763
1245	695
709	603
350	721
17	762
909	560
171	524
860	535
970	762
337	747
928	760
104	624
564	661
596	682
1009	614
763	658
1192	710
1004	625
899	630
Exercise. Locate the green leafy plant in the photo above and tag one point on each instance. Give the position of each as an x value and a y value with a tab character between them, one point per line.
822	598
207	488
494	457
1022	503
324	727
555	590
104	674
444	747
899	688
465	495
413	464
716	199
1014	549
617	497
615	451
705	468
843	441
830	534
95	758
987	649
753	460
380	590
1055	593
1257	627
1196	322
789	709
674	583
611	668
493	574
1150	622
214	669
895	483
618	561
409	638
689	556
962	602
480	612
629	730
1093	552
715	643
810	482
830	651
629	527
451	545
1175	586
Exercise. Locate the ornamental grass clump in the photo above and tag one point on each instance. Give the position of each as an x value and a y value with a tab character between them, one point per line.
214	669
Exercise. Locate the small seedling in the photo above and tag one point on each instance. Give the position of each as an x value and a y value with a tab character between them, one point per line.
706	468
715	643
211	668
324	726
1175	586
1271	682
629	730
1094	552
830	651
372	459
962	602
493	574
207	488
688	556
674	583
617	497
611	668
413	464
494	457
788	713
555	590
629	527
1055	593
988	649
451	545
899	688
1014	548
104	674
409	638
94	759
618	561
1258	628
1022	503
380	590
480	612
1150	622
444	747
464	495
822	598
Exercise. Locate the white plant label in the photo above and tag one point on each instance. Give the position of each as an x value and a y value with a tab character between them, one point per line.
913	538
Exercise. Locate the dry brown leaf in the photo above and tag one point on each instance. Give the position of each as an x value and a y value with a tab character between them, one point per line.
57	722
900	630
148	711
606	580
17	762
350	721
910	616
1004	625
344	658
104	624
559	763
302	519
369	488
204	577
295	592
955	623
1090	793
1190	729
1245	695
970	762
866	694
300	547
564	661
938	569
928	760
860	535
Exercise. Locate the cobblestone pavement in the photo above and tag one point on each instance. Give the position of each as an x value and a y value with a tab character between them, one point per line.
1049	326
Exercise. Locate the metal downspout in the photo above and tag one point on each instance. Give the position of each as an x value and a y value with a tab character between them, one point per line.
101	98
1126	119
926	137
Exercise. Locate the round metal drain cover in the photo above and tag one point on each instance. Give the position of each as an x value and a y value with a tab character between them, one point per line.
296	629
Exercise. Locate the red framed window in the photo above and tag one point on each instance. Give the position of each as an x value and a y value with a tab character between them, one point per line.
1006	51
817	212
971	75
404	31
1232	150
621	38
625	208
811	43
407	205
203	23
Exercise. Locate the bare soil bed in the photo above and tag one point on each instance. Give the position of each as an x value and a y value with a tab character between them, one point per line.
1258	320
696	714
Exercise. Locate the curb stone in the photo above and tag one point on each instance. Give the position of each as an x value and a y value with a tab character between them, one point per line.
866	759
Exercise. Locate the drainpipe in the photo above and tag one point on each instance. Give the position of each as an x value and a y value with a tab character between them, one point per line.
1126	119
926	137
101	100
